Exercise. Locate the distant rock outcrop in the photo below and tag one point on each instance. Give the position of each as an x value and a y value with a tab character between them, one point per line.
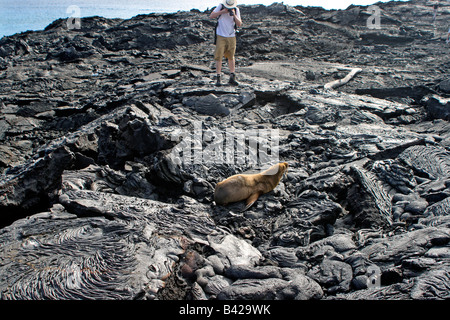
113	137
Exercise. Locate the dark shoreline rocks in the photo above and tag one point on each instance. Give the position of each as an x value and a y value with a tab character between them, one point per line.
101	197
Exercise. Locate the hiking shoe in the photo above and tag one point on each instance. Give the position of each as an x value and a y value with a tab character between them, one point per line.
218	84
233	81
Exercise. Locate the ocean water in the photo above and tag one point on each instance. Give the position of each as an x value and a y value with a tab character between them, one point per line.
23	15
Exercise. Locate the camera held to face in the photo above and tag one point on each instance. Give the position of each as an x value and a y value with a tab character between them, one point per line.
231	12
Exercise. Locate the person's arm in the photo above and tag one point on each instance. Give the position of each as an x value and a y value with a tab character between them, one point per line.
215	13
237	19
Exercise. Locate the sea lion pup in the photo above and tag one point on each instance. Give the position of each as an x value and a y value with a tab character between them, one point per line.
249	186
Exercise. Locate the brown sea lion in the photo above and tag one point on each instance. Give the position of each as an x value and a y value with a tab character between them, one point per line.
249	186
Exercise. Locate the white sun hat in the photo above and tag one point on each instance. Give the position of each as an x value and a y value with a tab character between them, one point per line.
230	3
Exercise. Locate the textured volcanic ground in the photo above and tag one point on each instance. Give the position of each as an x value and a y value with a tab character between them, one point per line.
101	197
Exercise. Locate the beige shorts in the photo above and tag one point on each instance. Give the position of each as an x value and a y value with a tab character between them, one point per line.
225	47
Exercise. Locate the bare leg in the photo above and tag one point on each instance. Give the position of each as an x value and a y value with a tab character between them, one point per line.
218	66
232	65
218	72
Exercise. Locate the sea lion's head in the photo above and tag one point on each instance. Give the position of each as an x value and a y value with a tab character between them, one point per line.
282	170
283	167
278	170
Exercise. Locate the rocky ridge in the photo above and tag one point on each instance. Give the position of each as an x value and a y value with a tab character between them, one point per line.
94	204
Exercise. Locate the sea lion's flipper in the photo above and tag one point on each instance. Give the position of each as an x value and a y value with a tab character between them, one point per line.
251	200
